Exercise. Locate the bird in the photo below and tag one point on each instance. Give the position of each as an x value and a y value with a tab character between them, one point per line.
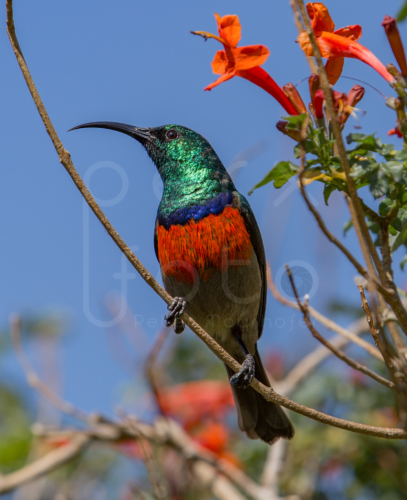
212	260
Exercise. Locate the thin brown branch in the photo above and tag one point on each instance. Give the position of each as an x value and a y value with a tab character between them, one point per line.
332	238
385	248
381	316
166	432
310	362
387	263
328	323
341	355
266	392
391	296
300	27
372	329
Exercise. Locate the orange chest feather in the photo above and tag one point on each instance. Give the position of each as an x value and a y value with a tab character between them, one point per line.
202	247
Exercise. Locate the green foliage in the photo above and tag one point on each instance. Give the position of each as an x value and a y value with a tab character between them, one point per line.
382	177
380	167
280	174
15	436
402	13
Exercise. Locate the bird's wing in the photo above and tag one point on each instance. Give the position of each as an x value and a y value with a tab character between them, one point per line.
257	242
156	239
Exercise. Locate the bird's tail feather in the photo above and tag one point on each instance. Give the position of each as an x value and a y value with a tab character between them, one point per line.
258	418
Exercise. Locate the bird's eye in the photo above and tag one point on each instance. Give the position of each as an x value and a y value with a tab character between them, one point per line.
172	134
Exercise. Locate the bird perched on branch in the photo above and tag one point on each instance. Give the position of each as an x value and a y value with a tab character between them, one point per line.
212	261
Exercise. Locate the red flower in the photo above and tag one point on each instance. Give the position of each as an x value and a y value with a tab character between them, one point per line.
194	401
340	102
336	45
216	438
242	61
392	32
344	104
395	131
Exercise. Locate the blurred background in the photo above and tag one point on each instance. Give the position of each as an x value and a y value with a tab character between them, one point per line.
89	321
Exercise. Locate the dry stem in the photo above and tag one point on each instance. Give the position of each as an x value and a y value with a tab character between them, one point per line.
328	323
341	355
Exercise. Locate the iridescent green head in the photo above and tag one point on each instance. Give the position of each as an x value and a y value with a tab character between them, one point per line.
191	170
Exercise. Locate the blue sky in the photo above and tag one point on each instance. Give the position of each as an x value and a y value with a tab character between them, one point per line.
136	62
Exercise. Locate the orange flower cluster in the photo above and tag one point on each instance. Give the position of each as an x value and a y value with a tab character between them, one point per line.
201	407
336	45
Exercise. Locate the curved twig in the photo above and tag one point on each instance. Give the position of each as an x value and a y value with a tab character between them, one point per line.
328	323
341	355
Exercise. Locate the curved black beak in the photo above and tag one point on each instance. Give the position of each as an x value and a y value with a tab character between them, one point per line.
140	134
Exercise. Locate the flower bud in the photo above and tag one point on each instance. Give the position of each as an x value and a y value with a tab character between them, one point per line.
355	95
314	85
294	134
392	32
294	97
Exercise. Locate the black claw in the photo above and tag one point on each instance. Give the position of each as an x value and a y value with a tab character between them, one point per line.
179	325
244	378
176	308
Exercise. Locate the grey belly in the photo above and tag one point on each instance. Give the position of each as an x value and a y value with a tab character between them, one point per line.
223	301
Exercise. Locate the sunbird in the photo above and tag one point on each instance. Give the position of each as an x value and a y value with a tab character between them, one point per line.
212	261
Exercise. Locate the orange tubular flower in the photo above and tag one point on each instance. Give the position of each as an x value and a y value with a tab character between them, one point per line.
336	45
392	32
242	61
395	131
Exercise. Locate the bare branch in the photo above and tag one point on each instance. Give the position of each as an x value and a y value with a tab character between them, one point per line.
332	238
328	323
266	392
369	317
354	364
310	362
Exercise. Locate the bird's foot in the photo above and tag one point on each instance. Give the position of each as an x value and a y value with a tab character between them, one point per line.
244	378
176	310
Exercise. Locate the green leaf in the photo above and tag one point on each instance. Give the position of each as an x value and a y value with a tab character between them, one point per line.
369	142
328	190
384	206
398	221
401	238
309	147
378	183
401	155
394	169
295	122
388	150
280	174
402	13
347	226
403	262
